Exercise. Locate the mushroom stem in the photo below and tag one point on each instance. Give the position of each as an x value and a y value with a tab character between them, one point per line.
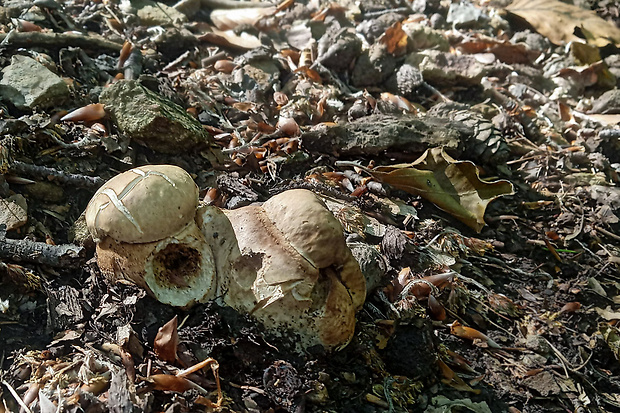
178	270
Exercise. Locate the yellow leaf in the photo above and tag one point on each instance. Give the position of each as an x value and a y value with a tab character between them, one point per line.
453	186
557	21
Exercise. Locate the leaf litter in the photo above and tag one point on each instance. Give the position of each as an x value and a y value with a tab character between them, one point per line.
478	301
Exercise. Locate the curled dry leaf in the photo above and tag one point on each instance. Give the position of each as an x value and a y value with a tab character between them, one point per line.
87	113
226	19
395	39
167	341
611	335
453	186
570	307
469	333
557	21
436	309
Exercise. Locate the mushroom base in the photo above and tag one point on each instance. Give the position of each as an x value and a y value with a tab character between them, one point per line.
178	270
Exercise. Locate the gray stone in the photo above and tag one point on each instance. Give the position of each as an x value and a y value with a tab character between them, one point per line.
153	13
372	264
13	212
465	14
152	120
445	69
338	49
375	134
608	102
28	84
373	66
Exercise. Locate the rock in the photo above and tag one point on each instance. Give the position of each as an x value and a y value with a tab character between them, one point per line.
263	74
337	49
465	14
373	66
153	13
45	191
28	84
608	102
375	134
373	29
372	264
405	81
445	69
13	212
151	119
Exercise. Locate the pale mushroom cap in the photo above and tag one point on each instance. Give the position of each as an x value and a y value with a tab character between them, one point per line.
308	226
144	204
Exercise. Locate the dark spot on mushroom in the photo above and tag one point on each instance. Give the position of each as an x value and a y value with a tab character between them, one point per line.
175	265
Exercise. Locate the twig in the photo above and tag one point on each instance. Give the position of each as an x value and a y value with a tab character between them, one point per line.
608	233
43	172
44	40
67	255
16	396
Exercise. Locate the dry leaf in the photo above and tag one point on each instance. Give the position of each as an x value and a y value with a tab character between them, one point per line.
611	334
166	341
228	38
608	314
557	21
226	19
469	333
453	186
503	50
395	39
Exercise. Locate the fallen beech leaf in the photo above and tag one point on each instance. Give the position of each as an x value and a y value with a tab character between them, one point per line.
395	39
166	341
469	333
436	309
228	38
503	50
570	307
168	382
226	19
611	335
453	186
88	113
557	21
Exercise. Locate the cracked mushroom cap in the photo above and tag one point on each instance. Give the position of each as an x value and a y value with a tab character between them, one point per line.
307	281
142	205
143	221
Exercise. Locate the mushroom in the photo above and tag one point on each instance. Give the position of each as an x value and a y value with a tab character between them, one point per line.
285	262
306	279
143	222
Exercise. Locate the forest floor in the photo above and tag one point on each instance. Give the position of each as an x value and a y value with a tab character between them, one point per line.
512	307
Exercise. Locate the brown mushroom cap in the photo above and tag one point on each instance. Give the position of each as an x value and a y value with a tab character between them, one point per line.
143	205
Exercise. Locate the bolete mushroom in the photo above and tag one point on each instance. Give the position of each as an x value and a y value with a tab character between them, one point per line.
307	280
143	222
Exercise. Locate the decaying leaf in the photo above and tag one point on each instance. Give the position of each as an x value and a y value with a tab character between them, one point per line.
453	186
226	19
395	39
611	335
607	313
166	341
557	21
